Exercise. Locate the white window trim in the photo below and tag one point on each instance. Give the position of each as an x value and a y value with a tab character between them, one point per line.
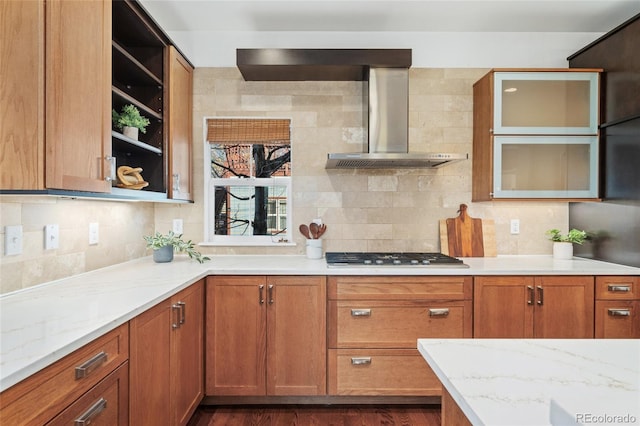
210	239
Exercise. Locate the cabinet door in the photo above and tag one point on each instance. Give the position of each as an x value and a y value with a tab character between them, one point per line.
236	336
78	97
22	95
564	307
557	103
150	366
180	126
187	369
296	336
503	307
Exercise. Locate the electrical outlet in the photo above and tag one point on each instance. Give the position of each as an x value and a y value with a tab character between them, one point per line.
515	226
51	237
177	226
94	236
12	240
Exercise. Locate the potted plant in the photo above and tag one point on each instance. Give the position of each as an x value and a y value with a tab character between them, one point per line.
164	245
563	244
129	121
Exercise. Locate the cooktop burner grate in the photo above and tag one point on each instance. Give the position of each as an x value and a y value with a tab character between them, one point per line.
393	259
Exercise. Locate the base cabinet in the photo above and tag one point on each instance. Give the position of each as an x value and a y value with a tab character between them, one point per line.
526	307
617	313
374	323
166	360
266	335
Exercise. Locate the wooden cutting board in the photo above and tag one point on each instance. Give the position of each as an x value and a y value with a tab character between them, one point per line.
465	236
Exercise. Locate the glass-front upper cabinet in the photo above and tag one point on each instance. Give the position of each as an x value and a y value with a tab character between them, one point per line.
551	103
545	167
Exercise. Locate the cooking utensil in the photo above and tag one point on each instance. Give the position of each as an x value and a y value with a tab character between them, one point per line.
466	236
313	228
304	230
321	230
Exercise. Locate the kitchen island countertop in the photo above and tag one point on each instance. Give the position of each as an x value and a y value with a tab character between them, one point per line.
42	324
539	381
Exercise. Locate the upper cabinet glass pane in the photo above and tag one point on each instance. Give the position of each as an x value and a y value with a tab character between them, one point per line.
562	103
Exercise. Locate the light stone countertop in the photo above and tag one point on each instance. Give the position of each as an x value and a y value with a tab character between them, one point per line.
539	381
40	325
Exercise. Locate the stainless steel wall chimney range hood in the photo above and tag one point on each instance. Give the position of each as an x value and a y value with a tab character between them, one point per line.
386	75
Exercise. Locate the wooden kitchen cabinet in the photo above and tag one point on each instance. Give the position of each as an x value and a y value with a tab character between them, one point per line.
535	134
166	360
617	313
180	76
96	371
526	307
266	335
373	326
57	132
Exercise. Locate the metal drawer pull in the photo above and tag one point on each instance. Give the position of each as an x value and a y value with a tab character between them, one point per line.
619	288
94	411
90	365
540	295
176	308
361	312
443	312
531	295
361	361
270	294
619	312
183	312
261	291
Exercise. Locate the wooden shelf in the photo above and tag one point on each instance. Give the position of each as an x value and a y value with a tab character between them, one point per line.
135	143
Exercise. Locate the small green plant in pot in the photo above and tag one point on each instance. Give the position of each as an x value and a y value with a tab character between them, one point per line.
130	118
563	243
164	245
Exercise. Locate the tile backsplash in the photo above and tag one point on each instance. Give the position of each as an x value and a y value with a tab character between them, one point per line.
365	210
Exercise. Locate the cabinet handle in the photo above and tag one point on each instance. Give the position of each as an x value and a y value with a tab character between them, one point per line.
87	367
183	312
261	292
615	288
540	295
361	312
361	361
619	312
531	295
271	294
175	308
94	411
442	312
111	176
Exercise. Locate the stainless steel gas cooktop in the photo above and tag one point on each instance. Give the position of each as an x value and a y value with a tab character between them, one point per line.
432	260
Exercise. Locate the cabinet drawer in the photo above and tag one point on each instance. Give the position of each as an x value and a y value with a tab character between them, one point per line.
106	404
617	319
397	288
42	396
381	372
618	288
396	324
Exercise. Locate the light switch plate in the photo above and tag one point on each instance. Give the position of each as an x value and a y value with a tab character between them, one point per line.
12	240
94	236
51	237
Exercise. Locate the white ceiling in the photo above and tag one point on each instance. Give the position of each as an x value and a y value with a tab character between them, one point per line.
189	21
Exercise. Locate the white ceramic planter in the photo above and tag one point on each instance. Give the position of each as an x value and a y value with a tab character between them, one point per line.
130	132
563	251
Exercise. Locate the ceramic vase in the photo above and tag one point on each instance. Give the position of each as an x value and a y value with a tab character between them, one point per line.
563	251
314	249
163	254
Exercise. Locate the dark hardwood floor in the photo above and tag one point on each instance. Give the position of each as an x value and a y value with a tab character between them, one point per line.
317	415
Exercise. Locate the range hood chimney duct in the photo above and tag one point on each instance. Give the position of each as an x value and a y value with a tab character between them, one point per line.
387	118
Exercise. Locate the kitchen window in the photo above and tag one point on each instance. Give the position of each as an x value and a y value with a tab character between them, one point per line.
248	181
